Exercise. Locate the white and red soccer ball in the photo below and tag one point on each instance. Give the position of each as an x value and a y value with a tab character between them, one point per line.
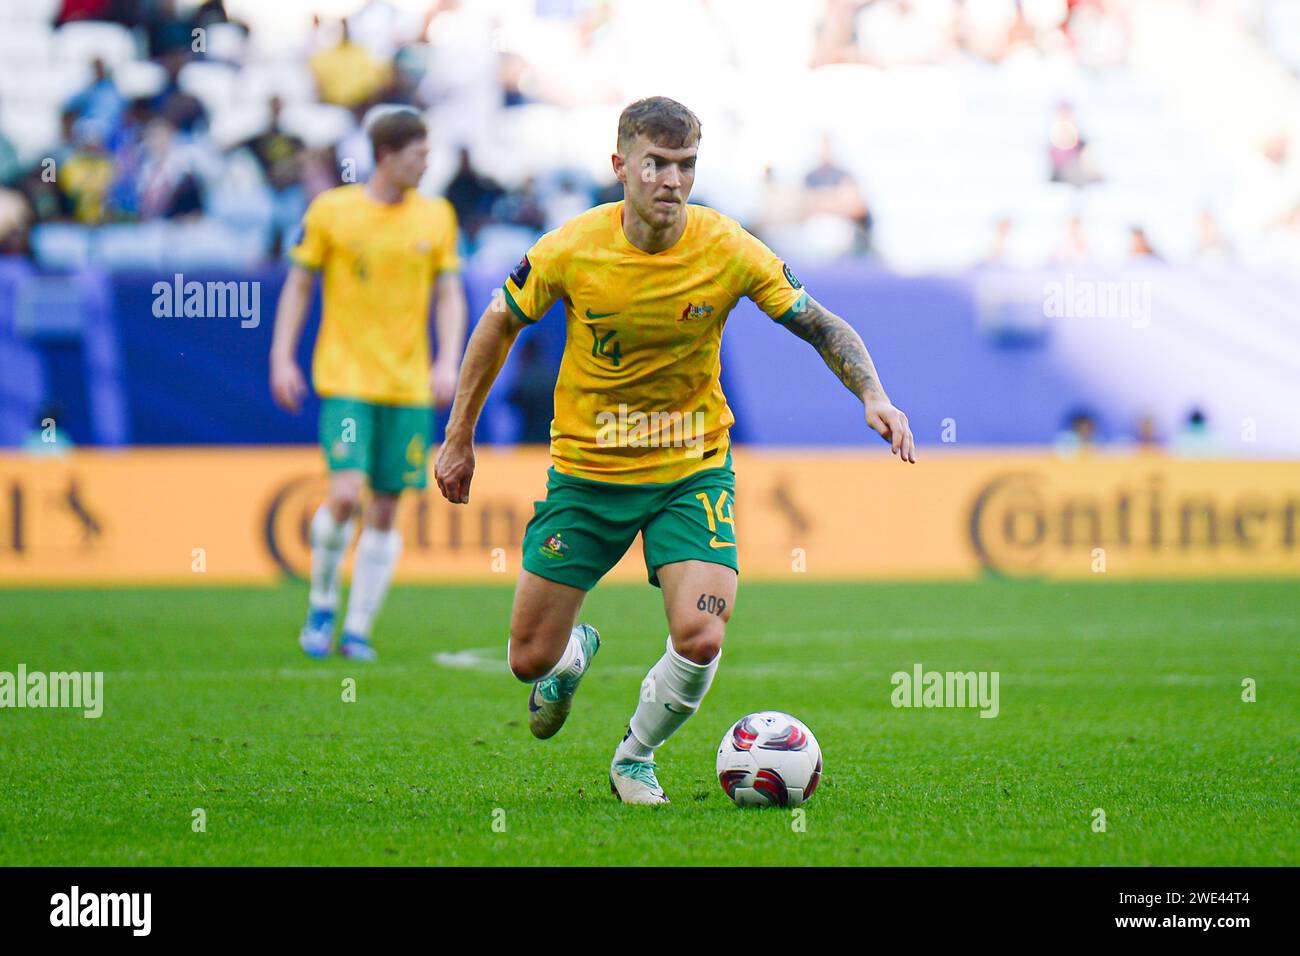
769	759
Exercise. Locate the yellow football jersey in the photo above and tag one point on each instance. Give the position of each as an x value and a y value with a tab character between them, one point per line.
378	264
638	398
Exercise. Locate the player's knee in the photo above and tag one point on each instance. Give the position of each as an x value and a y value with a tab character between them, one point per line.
701	641
526	662
344	504
345	500
528	669
382	513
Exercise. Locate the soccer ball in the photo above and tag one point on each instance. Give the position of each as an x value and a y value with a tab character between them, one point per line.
769	759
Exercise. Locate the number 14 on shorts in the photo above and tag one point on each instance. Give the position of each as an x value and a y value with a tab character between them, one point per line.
718	513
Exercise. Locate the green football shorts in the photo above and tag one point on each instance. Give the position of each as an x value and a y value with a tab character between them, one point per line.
584	527
390	443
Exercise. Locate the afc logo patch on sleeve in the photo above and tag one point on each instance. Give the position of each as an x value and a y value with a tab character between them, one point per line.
520	275
790	277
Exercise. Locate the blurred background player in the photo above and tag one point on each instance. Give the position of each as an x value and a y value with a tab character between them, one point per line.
648	284
382	249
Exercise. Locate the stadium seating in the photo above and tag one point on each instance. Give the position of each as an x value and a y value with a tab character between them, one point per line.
84	41
947	150
61	245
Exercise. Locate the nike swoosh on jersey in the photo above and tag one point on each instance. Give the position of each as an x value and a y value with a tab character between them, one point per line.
599	315
715	543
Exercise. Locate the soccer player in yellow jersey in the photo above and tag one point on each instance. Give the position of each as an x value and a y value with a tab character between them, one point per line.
382	250
639	441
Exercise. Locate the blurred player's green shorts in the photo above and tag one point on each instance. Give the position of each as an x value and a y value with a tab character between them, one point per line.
584	527
390	443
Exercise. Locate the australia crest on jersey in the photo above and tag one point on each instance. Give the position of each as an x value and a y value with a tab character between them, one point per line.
693	311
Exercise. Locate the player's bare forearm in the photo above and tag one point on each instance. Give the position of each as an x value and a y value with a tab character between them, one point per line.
451	316
840	347
845	354
488	347
287	383
486	353
291	312
449	320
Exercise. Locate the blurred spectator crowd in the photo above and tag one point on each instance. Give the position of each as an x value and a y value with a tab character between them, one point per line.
932	135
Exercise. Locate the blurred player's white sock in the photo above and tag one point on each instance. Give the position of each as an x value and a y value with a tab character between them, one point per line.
377	554
670	694
329	544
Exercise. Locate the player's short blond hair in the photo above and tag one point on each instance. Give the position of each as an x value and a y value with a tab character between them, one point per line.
661	120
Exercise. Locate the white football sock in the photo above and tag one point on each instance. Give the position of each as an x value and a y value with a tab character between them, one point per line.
329	544
670	694
377	554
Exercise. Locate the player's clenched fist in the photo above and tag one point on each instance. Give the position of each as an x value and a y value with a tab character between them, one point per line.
891	424
454	470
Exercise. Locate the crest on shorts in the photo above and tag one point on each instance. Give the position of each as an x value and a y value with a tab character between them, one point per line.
554	547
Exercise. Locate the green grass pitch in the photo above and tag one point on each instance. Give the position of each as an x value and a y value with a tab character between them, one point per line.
1120	696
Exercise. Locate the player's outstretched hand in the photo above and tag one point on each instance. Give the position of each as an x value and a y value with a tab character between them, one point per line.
454	470
288	387
891	424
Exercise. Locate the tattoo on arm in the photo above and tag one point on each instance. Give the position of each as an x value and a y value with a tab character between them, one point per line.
839	345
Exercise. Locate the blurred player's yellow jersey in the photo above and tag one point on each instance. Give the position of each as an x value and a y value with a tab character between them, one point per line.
378	263
638	399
